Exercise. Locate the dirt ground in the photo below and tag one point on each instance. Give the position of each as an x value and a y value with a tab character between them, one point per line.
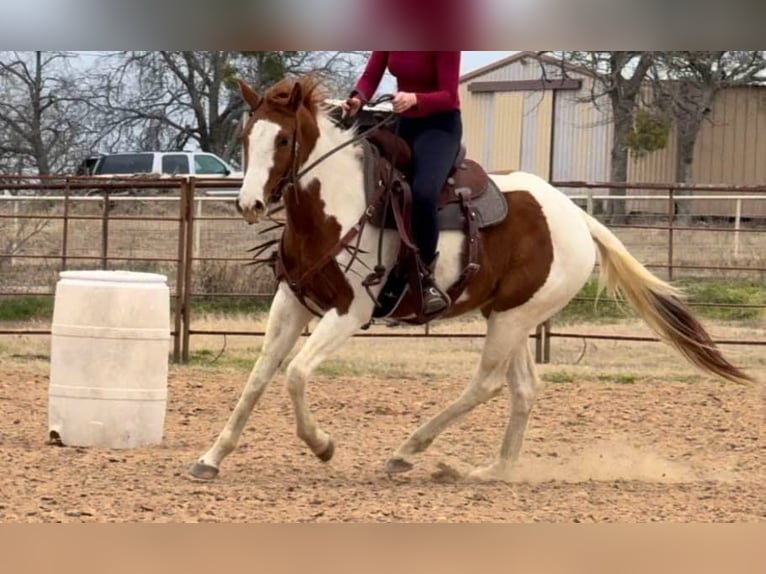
613	438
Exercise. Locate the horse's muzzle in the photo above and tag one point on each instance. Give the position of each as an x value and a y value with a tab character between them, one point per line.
252	215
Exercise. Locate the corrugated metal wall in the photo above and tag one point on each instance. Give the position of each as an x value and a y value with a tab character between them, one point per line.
537	115
478	112
580	139
730	149
506	131
512	130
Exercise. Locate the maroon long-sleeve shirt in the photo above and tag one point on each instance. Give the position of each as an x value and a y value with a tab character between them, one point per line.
432	76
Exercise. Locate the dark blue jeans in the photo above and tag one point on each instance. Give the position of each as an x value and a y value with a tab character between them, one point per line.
435	142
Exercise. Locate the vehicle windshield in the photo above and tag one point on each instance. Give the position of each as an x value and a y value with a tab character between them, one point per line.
126	163
207	165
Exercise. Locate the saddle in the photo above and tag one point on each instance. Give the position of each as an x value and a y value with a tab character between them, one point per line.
469	201
467	183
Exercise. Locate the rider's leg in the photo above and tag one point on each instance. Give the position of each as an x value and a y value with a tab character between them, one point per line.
434	150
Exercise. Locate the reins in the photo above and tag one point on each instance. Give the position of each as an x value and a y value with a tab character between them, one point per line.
290	181
388	117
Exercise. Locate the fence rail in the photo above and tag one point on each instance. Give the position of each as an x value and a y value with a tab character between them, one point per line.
180	204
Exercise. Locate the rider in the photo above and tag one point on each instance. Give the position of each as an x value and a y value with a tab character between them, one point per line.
429	104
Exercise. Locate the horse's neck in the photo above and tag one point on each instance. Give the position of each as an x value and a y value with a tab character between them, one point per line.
340	175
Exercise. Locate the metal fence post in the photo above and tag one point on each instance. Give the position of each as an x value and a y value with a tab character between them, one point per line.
737	223
198	228
189	190
65	227
539	343
547	342
589	201
671	223
105	231
180	276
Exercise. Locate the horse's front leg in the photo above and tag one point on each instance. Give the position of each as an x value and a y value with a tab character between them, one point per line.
287	318
331	332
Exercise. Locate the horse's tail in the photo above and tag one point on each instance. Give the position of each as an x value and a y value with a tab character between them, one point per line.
658	303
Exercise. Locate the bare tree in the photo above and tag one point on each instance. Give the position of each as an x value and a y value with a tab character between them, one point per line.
618	78
686	85
42	112
170	99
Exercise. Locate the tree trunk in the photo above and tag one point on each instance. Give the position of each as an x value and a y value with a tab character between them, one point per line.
38	146
623	122
684	161
688	124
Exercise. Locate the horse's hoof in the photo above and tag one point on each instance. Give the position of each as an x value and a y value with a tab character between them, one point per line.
397	465
327	453
203	471
492	473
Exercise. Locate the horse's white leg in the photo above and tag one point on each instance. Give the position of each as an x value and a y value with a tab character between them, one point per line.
502	336
330	334
522	380
287	318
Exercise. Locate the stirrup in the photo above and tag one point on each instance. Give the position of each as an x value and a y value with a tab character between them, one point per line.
434	301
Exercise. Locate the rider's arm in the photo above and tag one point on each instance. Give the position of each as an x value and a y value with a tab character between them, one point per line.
373	73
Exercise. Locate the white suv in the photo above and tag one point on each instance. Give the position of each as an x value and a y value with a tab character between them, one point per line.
165	164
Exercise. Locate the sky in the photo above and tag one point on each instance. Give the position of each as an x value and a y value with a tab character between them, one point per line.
469	61
473	60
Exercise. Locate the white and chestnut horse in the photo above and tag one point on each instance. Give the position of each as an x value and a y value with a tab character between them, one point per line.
531	266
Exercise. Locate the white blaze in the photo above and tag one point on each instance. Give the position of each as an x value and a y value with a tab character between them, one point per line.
260	160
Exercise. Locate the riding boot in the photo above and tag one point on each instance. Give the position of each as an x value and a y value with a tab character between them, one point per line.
434	299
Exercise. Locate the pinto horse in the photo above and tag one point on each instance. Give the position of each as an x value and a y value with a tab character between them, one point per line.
530	266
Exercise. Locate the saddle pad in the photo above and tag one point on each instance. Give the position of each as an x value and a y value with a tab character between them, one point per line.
491	208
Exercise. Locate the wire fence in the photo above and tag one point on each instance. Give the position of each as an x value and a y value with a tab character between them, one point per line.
188	229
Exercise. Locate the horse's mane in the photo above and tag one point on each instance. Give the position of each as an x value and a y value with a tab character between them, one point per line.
311	87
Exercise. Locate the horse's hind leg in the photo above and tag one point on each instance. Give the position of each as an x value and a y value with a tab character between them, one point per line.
522	380
287	318
502	338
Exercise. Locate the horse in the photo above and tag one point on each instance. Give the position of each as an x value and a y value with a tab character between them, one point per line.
530	266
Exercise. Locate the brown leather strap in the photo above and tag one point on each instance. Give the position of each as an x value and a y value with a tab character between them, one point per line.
401	205
298	286
472	252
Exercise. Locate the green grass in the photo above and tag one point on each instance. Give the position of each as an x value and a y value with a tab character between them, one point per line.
342	368
602	311
727	291
26	308
214	357
34	307
230	305
620	379
239	359
557	377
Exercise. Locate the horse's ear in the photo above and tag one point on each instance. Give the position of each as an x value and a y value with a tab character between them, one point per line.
250	96
296	96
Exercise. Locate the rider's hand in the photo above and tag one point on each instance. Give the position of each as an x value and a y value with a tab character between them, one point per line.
403	101
352	106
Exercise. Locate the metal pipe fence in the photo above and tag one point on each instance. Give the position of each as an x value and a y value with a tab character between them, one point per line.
191	214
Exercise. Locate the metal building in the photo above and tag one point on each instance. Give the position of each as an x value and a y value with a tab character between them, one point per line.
519	114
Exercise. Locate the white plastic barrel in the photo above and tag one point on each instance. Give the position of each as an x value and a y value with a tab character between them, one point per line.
109	359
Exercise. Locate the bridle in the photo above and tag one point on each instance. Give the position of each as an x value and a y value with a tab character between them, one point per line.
289	181
292	175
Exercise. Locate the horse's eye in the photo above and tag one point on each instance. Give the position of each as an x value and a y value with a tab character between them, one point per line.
283	141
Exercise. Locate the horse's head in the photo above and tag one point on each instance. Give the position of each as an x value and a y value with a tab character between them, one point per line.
278	138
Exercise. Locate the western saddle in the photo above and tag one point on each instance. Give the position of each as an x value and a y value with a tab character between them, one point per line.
469	202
